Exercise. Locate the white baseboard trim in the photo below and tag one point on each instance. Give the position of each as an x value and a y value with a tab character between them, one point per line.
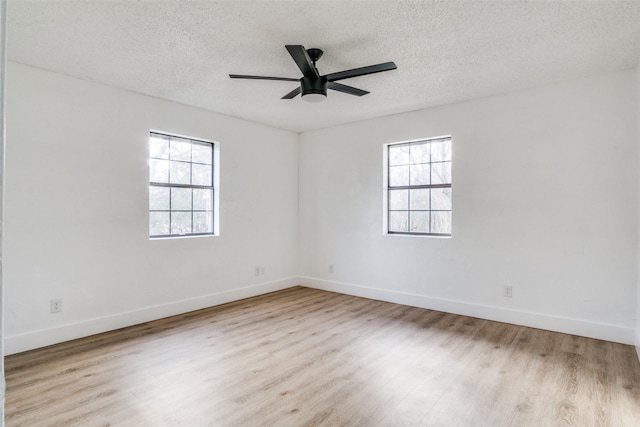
638	344
29	341
517	317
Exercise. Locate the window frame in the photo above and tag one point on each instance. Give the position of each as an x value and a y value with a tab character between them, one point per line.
387	188
213	208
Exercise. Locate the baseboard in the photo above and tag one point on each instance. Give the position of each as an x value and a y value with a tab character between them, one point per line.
523	318
23	342
29	341
638	343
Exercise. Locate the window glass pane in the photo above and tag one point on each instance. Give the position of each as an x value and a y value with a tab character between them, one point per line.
419	174
202	199
180	222
420	153
178	207
419	222
441	222
201	174
399	221
398	155
180	173
159	147
420	208
201	153
158	223
441	173
158	171
180	149
158	198
399	200
419	199
398	175
180	199
202	222
441	151
441	199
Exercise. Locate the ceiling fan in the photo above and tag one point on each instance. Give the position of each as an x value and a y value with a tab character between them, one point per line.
313	86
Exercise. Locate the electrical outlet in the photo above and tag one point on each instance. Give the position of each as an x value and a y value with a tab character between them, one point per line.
330	268
259	270
507	291
55	305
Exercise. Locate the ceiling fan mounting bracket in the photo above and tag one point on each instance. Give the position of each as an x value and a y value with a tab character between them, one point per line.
314	54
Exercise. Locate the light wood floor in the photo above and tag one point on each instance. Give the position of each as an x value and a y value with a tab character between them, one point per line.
304	357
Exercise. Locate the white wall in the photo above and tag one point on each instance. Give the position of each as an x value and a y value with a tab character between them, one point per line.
77	220
638	257
545	193
544	198
3	63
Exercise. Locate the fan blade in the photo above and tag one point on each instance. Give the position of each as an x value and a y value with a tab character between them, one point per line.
346	89
371	69
300	55
292	94
242	76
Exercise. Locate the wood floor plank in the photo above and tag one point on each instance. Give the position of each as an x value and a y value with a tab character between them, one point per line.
304	357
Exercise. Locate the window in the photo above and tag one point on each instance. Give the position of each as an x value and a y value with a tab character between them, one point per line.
181	193
418	187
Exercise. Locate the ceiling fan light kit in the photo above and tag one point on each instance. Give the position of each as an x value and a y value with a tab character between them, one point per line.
313	90
313	87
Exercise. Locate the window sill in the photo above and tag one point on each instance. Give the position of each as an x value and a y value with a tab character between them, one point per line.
432	236
190	236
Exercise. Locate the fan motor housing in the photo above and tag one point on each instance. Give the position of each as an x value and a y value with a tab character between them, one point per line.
313	85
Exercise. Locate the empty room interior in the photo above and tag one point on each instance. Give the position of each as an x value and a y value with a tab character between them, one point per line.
294	213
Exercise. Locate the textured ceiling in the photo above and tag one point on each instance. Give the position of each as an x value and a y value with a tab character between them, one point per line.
445	51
